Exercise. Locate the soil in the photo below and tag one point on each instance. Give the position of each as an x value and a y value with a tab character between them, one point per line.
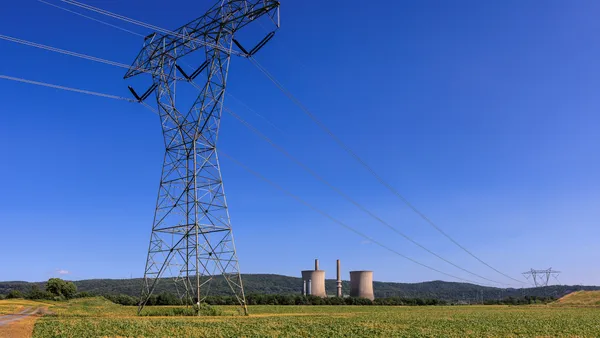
20	325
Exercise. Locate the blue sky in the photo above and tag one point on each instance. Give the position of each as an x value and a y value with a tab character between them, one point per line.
483	114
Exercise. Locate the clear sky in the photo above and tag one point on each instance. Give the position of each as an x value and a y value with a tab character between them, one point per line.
484	114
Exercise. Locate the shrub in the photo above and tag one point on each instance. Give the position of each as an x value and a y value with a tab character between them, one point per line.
203	310
122	299
84	294
168	311
335	301
358	301
301	300
207	310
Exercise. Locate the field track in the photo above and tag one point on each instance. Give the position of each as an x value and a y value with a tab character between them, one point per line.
20	324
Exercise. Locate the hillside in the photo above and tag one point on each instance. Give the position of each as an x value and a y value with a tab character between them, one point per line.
580	298
278	284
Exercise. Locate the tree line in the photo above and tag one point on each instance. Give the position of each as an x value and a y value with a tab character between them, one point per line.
267	299
521	300
58	290
263	299
55	289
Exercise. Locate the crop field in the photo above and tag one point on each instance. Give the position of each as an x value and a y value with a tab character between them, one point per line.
96	317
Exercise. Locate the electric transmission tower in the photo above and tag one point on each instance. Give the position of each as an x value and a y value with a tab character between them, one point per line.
541	277
192	240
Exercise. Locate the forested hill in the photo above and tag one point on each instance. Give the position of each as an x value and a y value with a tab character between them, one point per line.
277	284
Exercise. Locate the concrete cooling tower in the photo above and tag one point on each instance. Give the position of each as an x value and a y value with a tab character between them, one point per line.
361	284
314	281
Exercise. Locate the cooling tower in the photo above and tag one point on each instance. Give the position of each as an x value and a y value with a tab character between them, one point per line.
361	284
315	281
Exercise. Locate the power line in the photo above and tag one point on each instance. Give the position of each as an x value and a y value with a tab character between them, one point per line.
346	196
65	52
256	113
94	19
342	194
77	90
74	54
335	220
369	168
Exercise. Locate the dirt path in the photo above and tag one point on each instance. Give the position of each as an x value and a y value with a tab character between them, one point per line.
20	325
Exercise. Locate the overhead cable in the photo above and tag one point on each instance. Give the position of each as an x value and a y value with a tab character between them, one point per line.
346	196
66	52
82	91
335	220
62	51
369	168
91	18
255	112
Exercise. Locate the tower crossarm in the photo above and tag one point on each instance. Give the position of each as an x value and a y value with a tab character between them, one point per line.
540	277
532	271
202	32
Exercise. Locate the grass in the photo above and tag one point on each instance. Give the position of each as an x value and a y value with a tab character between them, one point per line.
99	318
91	307
580	298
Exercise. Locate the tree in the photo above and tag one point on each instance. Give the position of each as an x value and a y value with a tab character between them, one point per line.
14	294
166	298
37	293
84	294
69	290
60	288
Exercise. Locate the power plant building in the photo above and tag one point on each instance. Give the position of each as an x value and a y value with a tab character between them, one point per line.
314	281
361	284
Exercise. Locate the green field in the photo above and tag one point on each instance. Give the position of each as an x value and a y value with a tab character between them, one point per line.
100	318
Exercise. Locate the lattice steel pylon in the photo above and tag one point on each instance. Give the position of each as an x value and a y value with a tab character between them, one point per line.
541	277
192	239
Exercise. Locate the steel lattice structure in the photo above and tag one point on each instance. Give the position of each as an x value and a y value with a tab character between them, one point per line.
192	239
541	277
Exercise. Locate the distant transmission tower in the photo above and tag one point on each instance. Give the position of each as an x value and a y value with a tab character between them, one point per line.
192	240
541	277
